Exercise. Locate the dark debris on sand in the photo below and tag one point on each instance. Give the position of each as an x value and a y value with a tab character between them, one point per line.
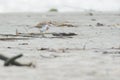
12	61
99	24
64	34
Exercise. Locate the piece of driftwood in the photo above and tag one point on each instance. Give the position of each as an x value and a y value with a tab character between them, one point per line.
64	34
62	50
55	23
26	36
11	61
9	39
59	37
12	35
111	52
66	24
20	36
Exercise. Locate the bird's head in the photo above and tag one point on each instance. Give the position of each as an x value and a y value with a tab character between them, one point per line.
50	23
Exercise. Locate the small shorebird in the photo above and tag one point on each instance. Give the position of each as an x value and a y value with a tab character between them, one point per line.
44	26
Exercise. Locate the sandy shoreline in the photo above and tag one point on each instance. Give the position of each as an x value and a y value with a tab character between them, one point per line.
93	54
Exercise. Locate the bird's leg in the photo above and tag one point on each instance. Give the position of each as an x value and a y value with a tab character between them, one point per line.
42	33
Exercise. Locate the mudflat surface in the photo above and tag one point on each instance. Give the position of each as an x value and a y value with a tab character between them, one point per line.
93	54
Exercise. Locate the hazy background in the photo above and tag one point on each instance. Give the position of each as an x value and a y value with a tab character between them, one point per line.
61	5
